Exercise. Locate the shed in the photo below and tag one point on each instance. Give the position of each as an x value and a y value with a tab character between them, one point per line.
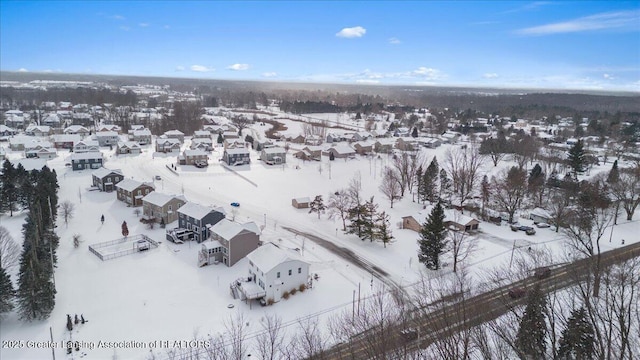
301	202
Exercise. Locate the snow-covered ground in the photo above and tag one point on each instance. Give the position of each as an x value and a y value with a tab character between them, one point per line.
162	295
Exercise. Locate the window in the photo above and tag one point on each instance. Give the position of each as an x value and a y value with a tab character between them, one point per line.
299	270
251	264
289	272
139	192
278	275
170	208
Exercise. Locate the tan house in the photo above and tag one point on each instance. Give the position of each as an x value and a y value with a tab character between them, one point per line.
363	147
301	203
190	157
131	191
453	219
162	208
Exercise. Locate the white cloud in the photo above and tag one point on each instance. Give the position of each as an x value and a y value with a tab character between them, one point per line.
143	24
608	76
427	73
125	28
181	68
528	7
201	68
620	20
117	17
23	70
394	41
238	67
490	75
367	81
352	32
270	74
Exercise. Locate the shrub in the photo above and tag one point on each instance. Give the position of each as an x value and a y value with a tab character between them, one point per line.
270	301
302	287
293	291
285	295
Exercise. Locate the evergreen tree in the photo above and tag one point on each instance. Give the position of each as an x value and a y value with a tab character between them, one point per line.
530	340
446	187
614	174
430	182
536	184
9	193
383	228
432	238
369	220
317	205
69	323
36	292
414	132
7	293
420	183
485	190
576	158
577	338
356	220
220	139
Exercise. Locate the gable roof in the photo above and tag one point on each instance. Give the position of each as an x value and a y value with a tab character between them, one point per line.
450	215
130	185
160	199
198	211
228	229
86	155
102	172
269	255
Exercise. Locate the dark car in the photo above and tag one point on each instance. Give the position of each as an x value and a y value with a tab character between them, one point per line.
409	334
235	204
517	292
543	272
201	164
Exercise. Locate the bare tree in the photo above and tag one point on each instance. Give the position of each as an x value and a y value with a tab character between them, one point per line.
406	166
461	244
67	208
626	190
268	342
338	205
308	342
509	189
390	185
559	208
236	335
9	250
463	164
355	188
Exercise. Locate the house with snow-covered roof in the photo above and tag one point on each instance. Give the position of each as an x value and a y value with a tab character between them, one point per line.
162	208
6	131
340	151
175	134
453	219
193	157
106	138
229	242
35	130
106	179
40	152
204	144
86	145
76	130
141	136
273	155
236	156
65	141
198	218
166	145
272	271
87	160
132	191
128	147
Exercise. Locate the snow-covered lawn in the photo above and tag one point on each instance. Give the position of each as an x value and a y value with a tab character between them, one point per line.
162	295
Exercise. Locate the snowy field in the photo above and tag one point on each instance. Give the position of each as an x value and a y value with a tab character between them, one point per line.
162	295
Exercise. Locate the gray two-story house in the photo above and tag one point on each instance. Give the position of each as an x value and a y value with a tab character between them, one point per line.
88	160
273	155
229	242
162	208
236	156
106	179
199	218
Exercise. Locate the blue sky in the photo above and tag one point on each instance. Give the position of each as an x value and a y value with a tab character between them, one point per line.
544	44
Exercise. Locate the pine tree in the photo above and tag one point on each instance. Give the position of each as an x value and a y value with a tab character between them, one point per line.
356	220
414	132
614	174
430	182
530	340
446	187
432	238
369	220
576	158
485	190
125	229
220	139
383	228
420	183
577	339
317	205
9	193
7	293
536	184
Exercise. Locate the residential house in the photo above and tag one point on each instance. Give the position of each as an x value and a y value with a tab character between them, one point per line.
141	136
274	155
313	140
6	132
128	147
52	120
340	151
384	145
309	153
229	242
430	143
233	143
77	130
14	119
301	202
204	144
361	136
106	138
166	145
84	146
190	157
272	272
334	137
175	134
199	218
110	127
131	191
539	215
259	144
300	139
407	144
82	119
20	142
363	147
228	135
106	179
162	208
87	160
236	156
34	130
450	137
453	219
65	141
40	152
201	134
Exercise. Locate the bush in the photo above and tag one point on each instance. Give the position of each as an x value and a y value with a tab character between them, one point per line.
293	291
285	295
302	287
270	301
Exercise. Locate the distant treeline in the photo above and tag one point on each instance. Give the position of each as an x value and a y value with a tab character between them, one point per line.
27	99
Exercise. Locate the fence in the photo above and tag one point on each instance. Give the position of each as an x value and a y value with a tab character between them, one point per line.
120	247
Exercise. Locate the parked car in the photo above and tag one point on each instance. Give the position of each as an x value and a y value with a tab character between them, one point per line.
201	164
235	204
543	272
143	245
517	292
527	229
543	225
157	177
